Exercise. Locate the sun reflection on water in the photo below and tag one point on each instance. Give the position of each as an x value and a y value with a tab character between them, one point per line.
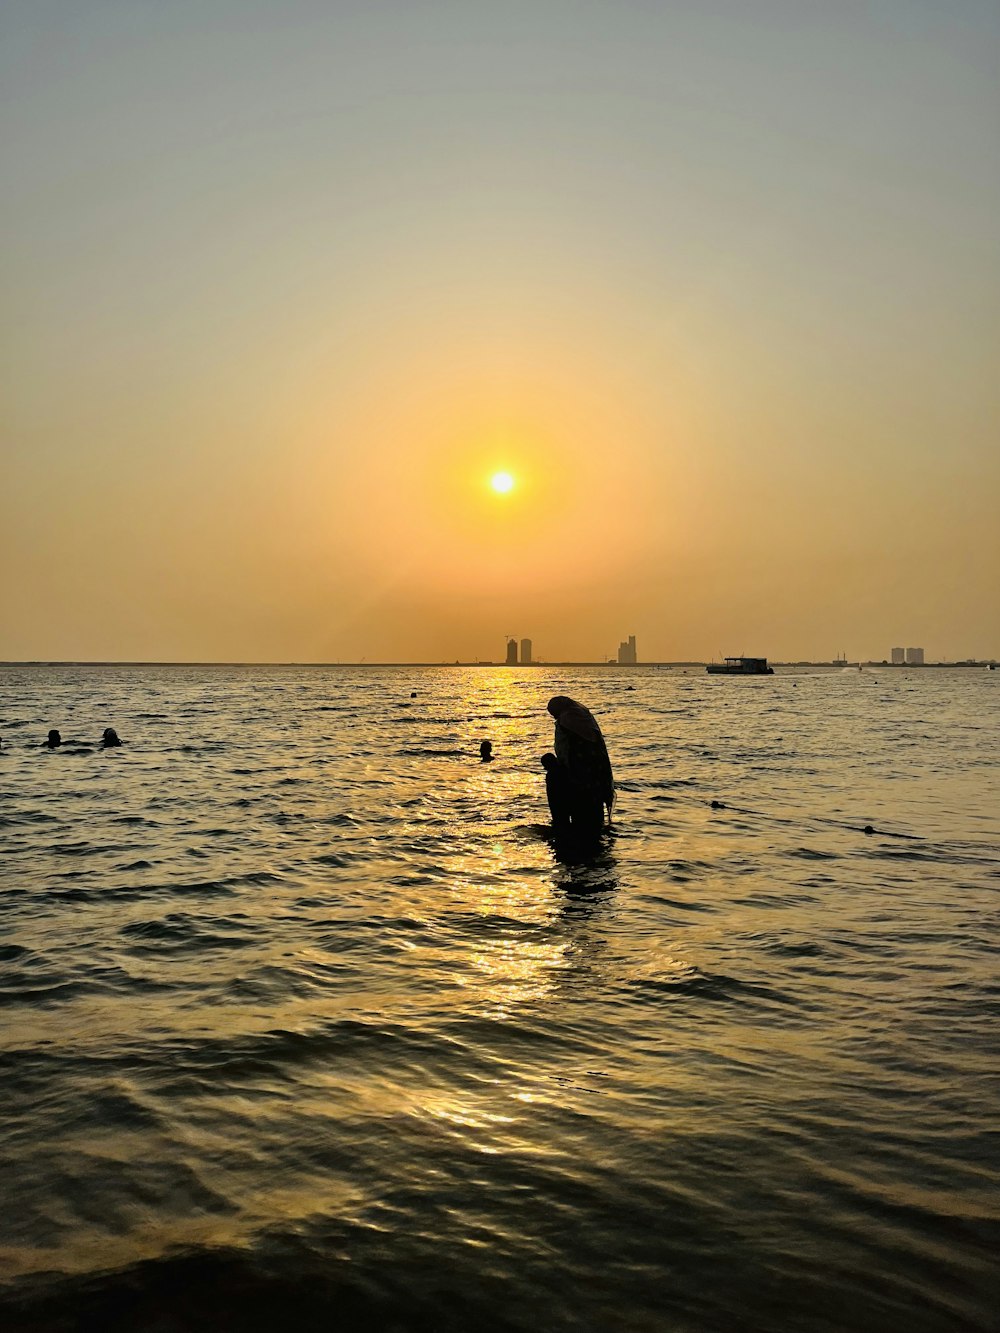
507	973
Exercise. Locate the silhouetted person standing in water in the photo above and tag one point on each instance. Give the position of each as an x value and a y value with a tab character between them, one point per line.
585	769
54	740
557	791
485	752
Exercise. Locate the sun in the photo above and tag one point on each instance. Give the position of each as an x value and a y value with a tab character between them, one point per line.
502	483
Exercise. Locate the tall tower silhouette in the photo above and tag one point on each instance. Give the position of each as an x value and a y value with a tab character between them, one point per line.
627	652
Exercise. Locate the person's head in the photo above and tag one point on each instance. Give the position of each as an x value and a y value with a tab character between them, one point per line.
558	704
485	750
573	717
549	762
54	739
110	737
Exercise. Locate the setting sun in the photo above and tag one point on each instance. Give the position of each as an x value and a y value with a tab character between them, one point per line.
502	482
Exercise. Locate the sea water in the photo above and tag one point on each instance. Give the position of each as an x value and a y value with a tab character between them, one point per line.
306	1023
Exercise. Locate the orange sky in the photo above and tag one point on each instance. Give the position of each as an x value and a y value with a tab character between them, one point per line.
720	289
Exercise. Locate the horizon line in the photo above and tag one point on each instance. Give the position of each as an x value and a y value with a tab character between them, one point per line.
627	666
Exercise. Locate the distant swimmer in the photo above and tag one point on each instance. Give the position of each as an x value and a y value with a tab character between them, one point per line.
486	752
583	755
54	740
110	739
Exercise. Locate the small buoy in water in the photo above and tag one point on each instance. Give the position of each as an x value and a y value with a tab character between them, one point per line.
869	829
718	805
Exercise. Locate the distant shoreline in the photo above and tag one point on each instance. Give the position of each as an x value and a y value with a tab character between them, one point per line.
508	666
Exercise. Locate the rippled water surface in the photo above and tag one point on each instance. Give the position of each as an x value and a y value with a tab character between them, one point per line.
306	1024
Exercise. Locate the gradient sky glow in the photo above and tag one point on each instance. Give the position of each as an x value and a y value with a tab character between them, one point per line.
286	283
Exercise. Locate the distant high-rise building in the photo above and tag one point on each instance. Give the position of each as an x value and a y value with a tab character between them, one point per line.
915	656
512	652
898	656
525	652
626	652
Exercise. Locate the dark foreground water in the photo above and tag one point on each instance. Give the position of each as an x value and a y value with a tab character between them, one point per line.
306	1025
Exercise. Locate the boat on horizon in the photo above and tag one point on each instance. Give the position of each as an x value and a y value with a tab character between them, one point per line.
740	666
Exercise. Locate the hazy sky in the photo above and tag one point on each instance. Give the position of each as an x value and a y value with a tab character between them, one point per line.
717	281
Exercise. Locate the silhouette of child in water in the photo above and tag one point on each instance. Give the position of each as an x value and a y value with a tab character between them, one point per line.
558	793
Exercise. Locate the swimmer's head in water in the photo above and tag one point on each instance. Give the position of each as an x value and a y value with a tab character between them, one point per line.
485	750
54	739
110	737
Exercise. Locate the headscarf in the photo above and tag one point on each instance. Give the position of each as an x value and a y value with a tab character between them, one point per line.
575	718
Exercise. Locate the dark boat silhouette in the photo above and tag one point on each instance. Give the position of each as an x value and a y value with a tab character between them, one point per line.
740	666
